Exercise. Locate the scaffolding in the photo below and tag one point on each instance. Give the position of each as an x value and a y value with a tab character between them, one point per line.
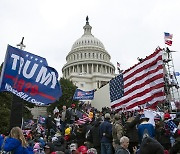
171	83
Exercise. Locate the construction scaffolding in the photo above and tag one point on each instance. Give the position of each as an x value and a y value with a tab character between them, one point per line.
171	83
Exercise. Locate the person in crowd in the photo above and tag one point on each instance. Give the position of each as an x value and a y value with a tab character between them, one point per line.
73	113
15	142
130	130
160	133
49	148
106	135
56	110
117	130
92	151
150	146
37	149
82	149
57	120
145	128
94	136
67	134
176	147
59	143
63	119
80	134
176	120
170	127
123	147
73	148
50	126
91	114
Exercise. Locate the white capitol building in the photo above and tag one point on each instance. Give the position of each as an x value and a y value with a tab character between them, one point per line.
88	63
88	67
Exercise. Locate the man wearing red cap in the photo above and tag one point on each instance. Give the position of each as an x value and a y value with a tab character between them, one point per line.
73	113
170	126
160	133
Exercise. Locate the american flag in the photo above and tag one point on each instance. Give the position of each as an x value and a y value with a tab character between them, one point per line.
83	120
168	35
168	42
143	83
168	38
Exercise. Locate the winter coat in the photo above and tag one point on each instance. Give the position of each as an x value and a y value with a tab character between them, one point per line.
117	131
161	135
106	132
151	146
130	129
94	134
12	144
49	123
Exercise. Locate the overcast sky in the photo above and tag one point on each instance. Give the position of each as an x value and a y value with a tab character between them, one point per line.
127	28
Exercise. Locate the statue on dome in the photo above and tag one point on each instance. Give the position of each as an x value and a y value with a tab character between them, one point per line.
87	19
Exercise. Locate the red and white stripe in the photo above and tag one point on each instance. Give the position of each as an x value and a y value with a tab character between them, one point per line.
168	42
83	120
143	83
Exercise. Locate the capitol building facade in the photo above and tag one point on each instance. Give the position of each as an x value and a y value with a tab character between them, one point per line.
88	64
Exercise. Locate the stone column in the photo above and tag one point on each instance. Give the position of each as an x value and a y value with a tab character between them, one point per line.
105	69
73	69
92	68
97	68
87	69
78	69
82	68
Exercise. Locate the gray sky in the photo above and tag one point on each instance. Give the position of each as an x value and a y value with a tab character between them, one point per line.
127	28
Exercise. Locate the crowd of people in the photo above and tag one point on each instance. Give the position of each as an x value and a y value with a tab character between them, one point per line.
85	130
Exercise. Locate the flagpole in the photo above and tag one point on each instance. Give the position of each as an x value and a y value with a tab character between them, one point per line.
16	116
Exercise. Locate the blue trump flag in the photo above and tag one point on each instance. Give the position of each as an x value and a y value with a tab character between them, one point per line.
177	73
83	95
29	77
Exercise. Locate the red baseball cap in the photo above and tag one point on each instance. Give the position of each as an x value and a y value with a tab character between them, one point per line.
167	116
83	149
73	105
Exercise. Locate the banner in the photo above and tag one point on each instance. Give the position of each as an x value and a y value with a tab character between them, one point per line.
29	77
83	95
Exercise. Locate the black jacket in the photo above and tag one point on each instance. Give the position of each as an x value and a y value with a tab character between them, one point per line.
151	146
94	136
130	129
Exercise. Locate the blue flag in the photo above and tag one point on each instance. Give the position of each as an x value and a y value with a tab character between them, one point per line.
29	77
177	73
83	95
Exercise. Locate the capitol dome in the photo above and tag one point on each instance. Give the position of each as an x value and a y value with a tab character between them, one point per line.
88	61
87	40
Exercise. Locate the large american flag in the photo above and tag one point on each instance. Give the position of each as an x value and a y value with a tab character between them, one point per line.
140	85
